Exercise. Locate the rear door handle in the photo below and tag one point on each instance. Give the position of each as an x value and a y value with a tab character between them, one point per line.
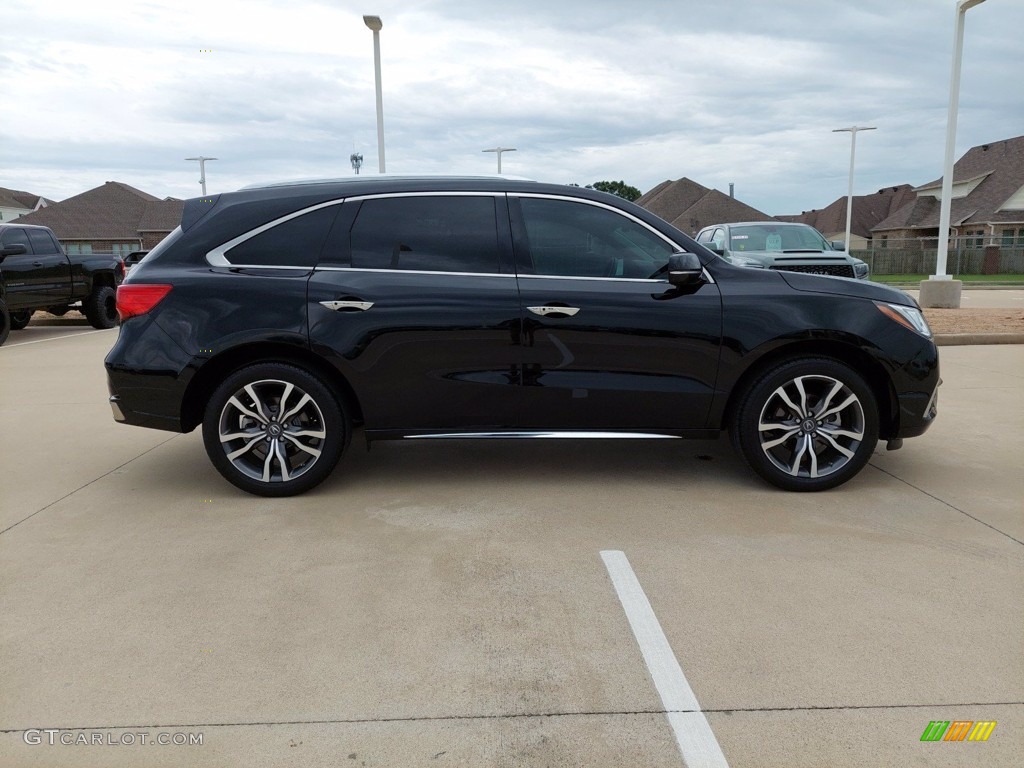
347	304
550	311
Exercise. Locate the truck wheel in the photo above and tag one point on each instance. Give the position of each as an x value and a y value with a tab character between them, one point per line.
100	307
5	323
20	320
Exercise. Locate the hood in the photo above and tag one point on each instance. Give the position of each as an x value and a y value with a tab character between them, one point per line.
843	286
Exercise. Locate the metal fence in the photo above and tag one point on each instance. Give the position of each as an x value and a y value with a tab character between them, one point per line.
965	257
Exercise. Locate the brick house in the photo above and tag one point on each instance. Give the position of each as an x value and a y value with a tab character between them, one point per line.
868	212
113	218
986	209
690	206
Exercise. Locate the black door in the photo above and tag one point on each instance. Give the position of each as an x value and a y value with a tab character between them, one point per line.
415	302
609	344
27	276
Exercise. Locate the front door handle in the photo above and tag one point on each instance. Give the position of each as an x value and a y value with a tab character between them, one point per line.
347	304
554	311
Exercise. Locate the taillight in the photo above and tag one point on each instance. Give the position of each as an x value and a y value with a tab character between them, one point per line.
135	300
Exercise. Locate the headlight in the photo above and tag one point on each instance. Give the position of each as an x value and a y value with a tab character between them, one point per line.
908	317
744	261
860	269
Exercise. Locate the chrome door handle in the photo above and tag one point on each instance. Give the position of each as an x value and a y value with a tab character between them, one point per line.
549	310
347	304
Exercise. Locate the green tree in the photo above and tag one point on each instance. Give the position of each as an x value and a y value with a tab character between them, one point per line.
620	188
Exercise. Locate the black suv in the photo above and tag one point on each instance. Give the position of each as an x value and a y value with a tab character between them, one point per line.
279	317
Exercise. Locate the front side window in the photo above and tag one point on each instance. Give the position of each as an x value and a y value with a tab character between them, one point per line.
579	240
292	243
15	237
430	233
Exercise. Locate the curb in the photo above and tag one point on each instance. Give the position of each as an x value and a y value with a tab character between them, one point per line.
963	339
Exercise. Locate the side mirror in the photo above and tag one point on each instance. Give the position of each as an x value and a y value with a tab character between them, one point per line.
684	269
838	245
719	249
13	250
134	258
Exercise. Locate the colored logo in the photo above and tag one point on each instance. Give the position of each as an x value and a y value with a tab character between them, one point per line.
958	730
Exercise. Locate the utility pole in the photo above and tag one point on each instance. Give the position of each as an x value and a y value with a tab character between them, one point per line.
498	151
202	169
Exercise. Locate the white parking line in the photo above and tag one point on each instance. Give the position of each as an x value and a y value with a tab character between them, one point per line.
696	741
55	338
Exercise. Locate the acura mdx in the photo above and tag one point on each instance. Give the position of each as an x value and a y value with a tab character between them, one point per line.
278	318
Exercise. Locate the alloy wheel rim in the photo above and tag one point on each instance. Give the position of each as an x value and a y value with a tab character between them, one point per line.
272	431
811	426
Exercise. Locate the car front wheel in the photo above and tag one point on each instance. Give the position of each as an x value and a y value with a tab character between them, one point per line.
20	320
274	429
807	425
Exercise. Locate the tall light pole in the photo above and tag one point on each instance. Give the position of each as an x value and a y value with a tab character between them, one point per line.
947	167
849	193
375	24
202	169
499	150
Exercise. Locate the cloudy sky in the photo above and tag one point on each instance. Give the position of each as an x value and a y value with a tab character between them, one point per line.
743	91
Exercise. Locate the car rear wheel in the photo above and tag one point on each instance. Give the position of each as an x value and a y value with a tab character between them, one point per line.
274	429
5	323
807	425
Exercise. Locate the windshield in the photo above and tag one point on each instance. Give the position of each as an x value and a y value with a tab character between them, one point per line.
775	237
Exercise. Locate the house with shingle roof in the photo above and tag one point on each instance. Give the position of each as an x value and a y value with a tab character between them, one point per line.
986	206
113	218
15	203
690	206
868	212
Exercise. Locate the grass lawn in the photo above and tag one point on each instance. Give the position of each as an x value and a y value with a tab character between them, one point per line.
994	279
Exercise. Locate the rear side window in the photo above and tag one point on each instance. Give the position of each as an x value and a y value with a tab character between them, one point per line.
437	234
15	237
42	243
292	243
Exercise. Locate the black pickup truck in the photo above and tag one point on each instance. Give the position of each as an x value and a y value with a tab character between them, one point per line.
35	273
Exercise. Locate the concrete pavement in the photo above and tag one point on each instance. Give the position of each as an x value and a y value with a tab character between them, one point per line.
446	603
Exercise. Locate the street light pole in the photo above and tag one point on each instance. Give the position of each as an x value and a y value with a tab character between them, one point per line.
202	169
948	295
849	193
375	24
498	151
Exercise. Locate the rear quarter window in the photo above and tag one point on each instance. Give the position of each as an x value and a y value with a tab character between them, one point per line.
293	243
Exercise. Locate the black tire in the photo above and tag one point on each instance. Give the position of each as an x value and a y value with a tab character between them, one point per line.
264	450
5	323
792	396
100	307
20	320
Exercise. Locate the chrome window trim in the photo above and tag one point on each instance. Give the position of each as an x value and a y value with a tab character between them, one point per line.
217	258
414	271
550	434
